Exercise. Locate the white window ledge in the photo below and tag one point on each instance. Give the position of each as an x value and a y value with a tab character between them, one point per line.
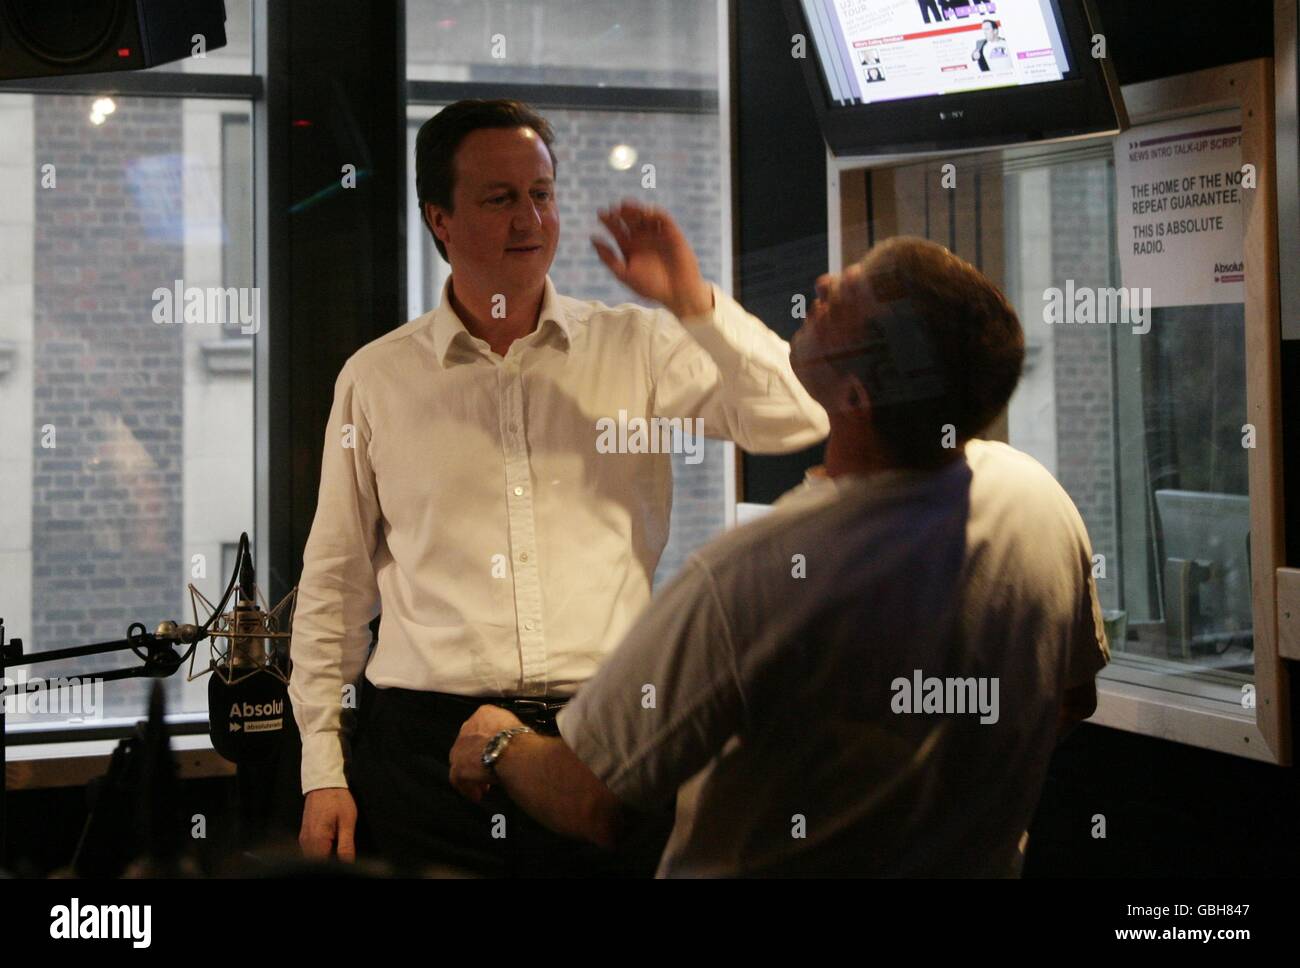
1193	720
35	766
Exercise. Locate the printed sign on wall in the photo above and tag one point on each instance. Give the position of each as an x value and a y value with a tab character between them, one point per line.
1179	186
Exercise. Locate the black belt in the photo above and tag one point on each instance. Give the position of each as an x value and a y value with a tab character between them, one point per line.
538	713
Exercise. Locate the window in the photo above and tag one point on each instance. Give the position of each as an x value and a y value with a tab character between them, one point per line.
584	43
624	85
1144	433
129	427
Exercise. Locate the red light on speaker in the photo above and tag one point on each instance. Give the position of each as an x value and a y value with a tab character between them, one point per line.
124	52
301	123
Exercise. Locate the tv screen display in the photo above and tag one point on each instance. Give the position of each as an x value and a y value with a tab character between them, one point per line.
915	48
934	74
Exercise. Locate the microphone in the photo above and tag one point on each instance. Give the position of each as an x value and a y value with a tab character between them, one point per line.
248	694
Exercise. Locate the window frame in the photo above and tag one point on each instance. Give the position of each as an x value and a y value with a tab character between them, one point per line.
74	749
1264	734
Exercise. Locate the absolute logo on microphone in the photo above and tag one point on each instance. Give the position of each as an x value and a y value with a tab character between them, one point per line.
261	717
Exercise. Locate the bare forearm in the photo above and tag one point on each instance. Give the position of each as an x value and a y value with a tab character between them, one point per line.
555	788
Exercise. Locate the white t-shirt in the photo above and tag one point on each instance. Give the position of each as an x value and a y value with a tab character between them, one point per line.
787	657
997	56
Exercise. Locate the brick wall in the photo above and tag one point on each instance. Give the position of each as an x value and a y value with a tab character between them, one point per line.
107	499
1082	237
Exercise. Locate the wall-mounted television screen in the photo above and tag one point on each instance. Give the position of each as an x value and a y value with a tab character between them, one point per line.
893	76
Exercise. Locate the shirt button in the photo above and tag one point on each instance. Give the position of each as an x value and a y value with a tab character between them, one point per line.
530	625
523	556
519	491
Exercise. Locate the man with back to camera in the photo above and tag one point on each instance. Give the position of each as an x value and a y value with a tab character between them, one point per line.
873	676
462	484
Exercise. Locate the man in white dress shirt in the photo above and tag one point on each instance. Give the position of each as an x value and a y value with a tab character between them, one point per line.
467	486
873	676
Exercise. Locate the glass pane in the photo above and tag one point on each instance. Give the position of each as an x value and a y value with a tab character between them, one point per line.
1144	430
1182	401
599	43
599	156
128	437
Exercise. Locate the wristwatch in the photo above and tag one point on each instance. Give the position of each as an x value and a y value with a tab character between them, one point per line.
498	743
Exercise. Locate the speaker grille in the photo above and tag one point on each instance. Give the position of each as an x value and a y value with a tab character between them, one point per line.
65	31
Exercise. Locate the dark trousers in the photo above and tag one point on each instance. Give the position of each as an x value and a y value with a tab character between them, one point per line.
411	816
929	7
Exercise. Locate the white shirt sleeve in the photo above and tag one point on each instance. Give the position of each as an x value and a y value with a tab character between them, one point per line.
1089	652
337	594
728	368
666	701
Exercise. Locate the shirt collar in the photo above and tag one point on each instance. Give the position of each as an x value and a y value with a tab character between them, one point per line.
448	328
818	485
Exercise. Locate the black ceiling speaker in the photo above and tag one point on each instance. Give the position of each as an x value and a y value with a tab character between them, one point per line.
44	38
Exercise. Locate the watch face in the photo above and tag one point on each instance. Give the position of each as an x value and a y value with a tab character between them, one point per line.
495	746
492	751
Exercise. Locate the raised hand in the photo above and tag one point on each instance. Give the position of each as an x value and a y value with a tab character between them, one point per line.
654	259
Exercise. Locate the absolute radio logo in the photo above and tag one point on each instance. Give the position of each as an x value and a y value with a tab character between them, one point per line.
262	717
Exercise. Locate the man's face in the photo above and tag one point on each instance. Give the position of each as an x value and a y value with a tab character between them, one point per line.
506	225
988	31
832	331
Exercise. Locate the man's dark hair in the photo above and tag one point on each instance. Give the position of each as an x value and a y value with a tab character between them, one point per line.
441	135
942	348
